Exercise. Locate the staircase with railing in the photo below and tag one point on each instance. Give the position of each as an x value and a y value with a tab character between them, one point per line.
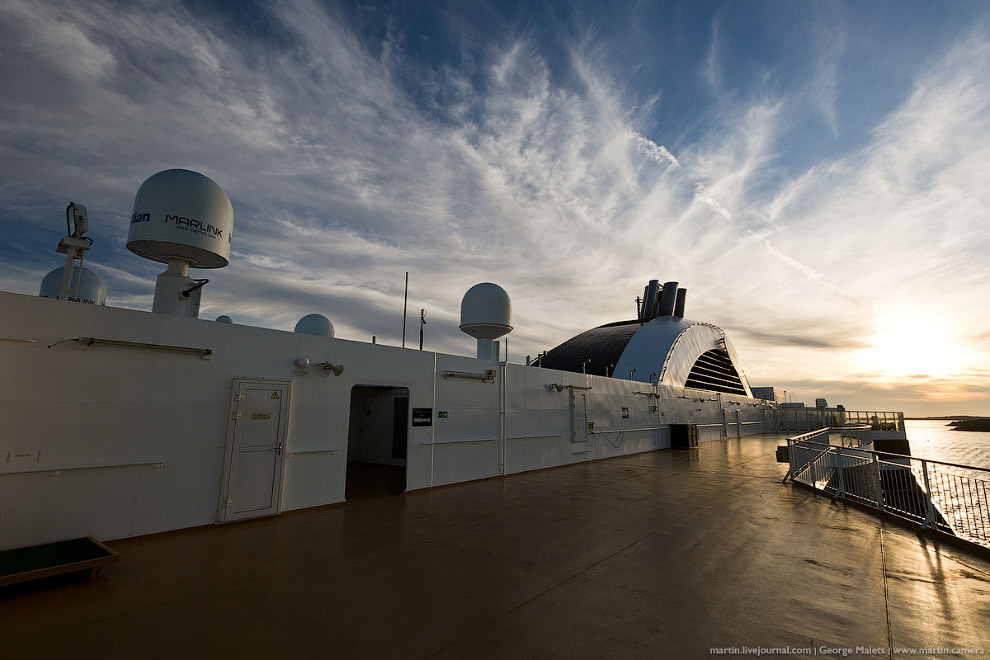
946	498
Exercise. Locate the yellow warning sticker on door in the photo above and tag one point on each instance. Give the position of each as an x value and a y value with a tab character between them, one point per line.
275	395
261	415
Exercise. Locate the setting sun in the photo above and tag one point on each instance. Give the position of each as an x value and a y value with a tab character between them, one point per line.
906	344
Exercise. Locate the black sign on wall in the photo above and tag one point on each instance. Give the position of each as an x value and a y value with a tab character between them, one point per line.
422	416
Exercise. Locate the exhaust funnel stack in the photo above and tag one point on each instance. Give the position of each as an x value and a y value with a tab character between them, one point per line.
669	299
679	303
649	300
666	300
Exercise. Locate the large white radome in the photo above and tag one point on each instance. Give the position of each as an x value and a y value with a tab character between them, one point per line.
486	311
87	286
315	324
182	215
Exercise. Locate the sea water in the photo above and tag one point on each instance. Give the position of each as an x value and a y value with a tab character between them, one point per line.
936	440
962	495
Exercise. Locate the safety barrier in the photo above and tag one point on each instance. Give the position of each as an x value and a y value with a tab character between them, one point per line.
944	497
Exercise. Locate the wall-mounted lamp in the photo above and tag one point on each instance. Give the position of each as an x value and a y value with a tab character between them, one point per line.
555	386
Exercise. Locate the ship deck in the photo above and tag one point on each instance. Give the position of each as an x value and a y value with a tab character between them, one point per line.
665	554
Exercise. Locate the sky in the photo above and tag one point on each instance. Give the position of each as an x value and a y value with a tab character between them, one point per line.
815	174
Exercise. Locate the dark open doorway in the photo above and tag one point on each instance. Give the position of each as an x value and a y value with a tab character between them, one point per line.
683	436
376	442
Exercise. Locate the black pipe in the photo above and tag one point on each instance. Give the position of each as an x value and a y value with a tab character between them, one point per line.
669	299
679	303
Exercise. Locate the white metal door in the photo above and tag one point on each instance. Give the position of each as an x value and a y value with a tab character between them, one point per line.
253	457
579	416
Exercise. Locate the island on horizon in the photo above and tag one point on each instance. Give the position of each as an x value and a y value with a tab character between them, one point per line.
973	424
960	422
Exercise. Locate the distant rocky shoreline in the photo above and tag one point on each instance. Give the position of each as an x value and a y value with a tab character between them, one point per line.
977	424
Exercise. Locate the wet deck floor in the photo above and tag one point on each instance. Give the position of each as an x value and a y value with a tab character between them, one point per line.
661	555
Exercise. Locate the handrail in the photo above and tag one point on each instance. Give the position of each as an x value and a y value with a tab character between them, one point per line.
890	453
59	470
947	498
487	377
793	468
313	451
810	434
458	442
645	428
549	434
89	342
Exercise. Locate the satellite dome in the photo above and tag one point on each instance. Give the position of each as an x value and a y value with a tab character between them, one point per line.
315	324
92	289
486	311
181	215
223	318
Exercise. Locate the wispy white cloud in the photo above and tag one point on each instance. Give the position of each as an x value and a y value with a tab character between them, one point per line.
656	152
829	47
342	180
712	66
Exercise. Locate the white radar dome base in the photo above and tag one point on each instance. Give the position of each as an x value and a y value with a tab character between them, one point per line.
486	315
177	294
85	286
315	324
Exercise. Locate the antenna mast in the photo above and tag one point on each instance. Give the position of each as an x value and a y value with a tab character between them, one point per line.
405	301
74	247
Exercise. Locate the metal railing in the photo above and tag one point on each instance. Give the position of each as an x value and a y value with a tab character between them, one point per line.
876	420
855	436
799	419
945	497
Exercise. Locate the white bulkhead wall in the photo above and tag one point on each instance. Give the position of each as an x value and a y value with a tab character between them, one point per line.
467	440
149	426
115	442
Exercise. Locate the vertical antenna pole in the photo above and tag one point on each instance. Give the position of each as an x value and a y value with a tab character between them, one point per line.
422	322
405	301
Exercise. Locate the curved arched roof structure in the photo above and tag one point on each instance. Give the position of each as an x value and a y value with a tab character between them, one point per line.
667	350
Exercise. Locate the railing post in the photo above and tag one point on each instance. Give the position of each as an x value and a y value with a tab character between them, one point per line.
842	480
879	483
790	462
929	504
